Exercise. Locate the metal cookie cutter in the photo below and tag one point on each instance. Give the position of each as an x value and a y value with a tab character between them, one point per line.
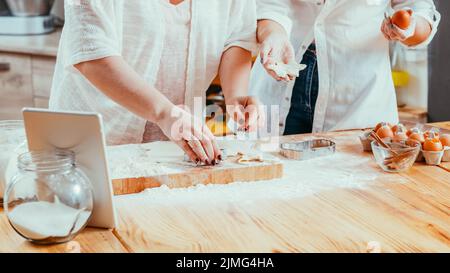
310	149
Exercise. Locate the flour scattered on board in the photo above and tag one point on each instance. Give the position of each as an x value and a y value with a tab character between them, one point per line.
301	179
161	158
144	160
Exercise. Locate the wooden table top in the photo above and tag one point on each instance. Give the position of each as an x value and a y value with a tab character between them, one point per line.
408	212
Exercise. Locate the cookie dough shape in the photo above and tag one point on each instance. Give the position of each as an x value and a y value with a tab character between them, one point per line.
283	70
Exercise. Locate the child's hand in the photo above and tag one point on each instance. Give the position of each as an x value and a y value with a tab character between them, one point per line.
247	112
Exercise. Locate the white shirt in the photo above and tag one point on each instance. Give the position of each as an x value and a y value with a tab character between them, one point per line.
356	89
173	60
135	30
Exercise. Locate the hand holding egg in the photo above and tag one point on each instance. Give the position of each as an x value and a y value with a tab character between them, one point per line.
400	26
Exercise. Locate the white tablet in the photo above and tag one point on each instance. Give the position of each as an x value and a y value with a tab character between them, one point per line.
81	133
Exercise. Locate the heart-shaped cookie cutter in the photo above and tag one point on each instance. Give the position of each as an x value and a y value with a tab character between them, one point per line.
309	149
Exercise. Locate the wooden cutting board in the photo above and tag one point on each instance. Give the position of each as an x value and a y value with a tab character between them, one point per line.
135	168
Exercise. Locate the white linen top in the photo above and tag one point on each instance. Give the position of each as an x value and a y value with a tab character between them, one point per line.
356	89
135	30
171	80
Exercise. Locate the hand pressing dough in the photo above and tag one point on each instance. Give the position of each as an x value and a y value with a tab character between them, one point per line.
283	70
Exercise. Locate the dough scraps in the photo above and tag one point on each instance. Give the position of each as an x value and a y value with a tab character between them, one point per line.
283	70
249	158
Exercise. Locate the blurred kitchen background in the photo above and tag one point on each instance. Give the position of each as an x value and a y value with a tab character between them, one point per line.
30	32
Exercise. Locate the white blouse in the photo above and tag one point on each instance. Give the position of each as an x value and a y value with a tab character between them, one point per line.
356	89
135	30
173	60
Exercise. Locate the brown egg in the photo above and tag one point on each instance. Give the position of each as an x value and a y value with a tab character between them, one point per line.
433	145
417	137
381	124
402	19
445	140
385	132
398	127
413	143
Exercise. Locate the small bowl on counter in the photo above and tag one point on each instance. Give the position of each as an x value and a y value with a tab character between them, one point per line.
415	143
398	158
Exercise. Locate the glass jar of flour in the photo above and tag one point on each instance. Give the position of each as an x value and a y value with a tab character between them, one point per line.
12	143
49	200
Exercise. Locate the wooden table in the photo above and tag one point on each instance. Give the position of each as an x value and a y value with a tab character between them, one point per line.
407	212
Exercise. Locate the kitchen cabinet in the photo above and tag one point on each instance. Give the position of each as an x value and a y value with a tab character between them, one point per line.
26	72
15	84
25	81
42	75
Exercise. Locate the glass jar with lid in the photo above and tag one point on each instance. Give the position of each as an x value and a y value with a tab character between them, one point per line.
49	200
12	143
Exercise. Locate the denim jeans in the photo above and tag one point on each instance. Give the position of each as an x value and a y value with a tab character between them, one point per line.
304	97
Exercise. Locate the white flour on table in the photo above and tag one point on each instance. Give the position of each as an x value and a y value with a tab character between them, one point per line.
301	179
144	160
161	158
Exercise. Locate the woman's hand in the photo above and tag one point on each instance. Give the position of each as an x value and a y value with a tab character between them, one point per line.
391	32
247	112
275	47
418	32
191	135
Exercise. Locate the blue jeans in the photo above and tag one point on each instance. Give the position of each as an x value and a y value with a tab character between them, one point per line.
304	97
